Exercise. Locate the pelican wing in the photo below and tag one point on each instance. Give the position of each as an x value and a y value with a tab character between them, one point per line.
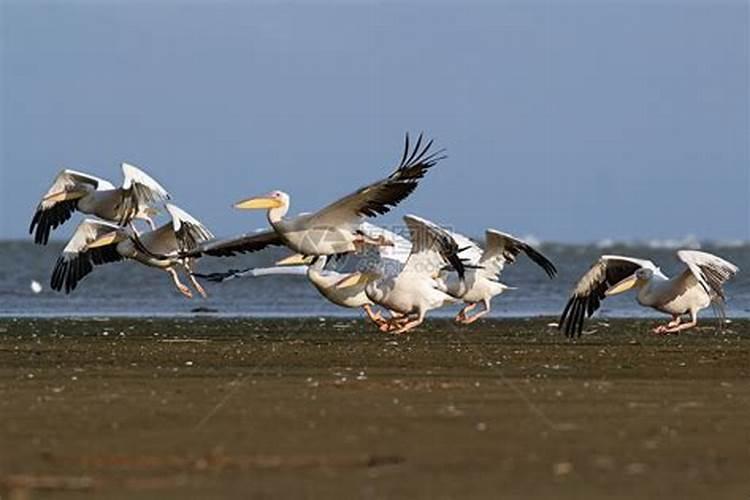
710	271
502	249
253	272
398	252
590	289
77	260
61	200
189	231
139	191
245	243
432	249
379	197
469	250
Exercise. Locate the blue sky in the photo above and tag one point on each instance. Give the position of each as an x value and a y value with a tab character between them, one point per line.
572	121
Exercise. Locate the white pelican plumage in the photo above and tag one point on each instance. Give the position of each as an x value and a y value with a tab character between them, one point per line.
696	288
483	268
97	242
417	287
324	280
91	195
334	229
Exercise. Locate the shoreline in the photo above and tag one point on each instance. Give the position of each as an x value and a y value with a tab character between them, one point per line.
230	408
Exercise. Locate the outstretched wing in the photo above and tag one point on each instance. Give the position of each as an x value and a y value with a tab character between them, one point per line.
245	243
502	249
379	197
590	289
77	260
140	190
432	248
709	270
61	200
469	250
188	230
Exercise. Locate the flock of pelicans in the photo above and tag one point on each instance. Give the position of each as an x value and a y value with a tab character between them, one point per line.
406	277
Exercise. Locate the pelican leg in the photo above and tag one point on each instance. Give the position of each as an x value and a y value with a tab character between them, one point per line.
411	324
182	288
461	316
394	323
684	326
189	270
374	316
661	329
471	319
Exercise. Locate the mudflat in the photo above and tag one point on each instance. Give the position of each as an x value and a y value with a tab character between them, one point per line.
330	408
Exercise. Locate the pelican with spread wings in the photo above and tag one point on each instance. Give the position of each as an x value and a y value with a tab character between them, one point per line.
325	280
335	228
91	195
483	268
96	242
696	288
416	288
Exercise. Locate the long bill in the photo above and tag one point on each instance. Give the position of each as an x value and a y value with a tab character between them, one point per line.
258	202
622	286
105	240
354	279
295	260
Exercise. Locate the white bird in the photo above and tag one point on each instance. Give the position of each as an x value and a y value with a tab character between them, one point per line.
91	195
417	288
324	280
96	242
696	288
483	268
335	228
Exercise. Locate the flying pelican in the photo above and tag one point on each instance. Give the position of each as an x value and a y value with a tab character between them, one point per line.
483	268
416	288
96	242
91	195
335	228
697	287
324	280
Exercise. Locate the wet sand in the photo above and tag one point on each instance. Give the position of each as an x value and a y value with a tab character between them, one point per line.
238	408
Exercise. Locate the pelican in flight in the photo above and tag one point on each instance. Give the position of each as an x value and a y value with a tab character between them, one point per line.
325	280
416	288
97	242
696	288
91	195
335	228
483	268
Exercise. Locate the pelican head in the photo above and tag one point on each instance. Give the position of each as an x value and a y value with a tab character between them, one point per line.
637	279
274	199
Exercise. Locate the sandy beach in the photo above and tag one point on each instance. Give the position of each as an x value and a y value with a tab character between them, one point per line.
329	408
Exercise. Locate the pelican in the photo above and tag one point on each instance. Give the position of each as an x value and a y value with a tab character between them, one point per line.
325	281
483	268
96	242
91	195
417	287
333	229
696	288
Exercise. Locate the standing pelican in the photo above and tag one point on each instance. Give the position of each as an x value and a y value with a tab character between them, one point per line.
96	242
483	268
697	287
417	288
91	195
335	228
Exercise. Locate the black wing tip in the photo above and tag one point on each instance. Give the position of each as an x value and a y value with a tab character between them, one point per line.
572	317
